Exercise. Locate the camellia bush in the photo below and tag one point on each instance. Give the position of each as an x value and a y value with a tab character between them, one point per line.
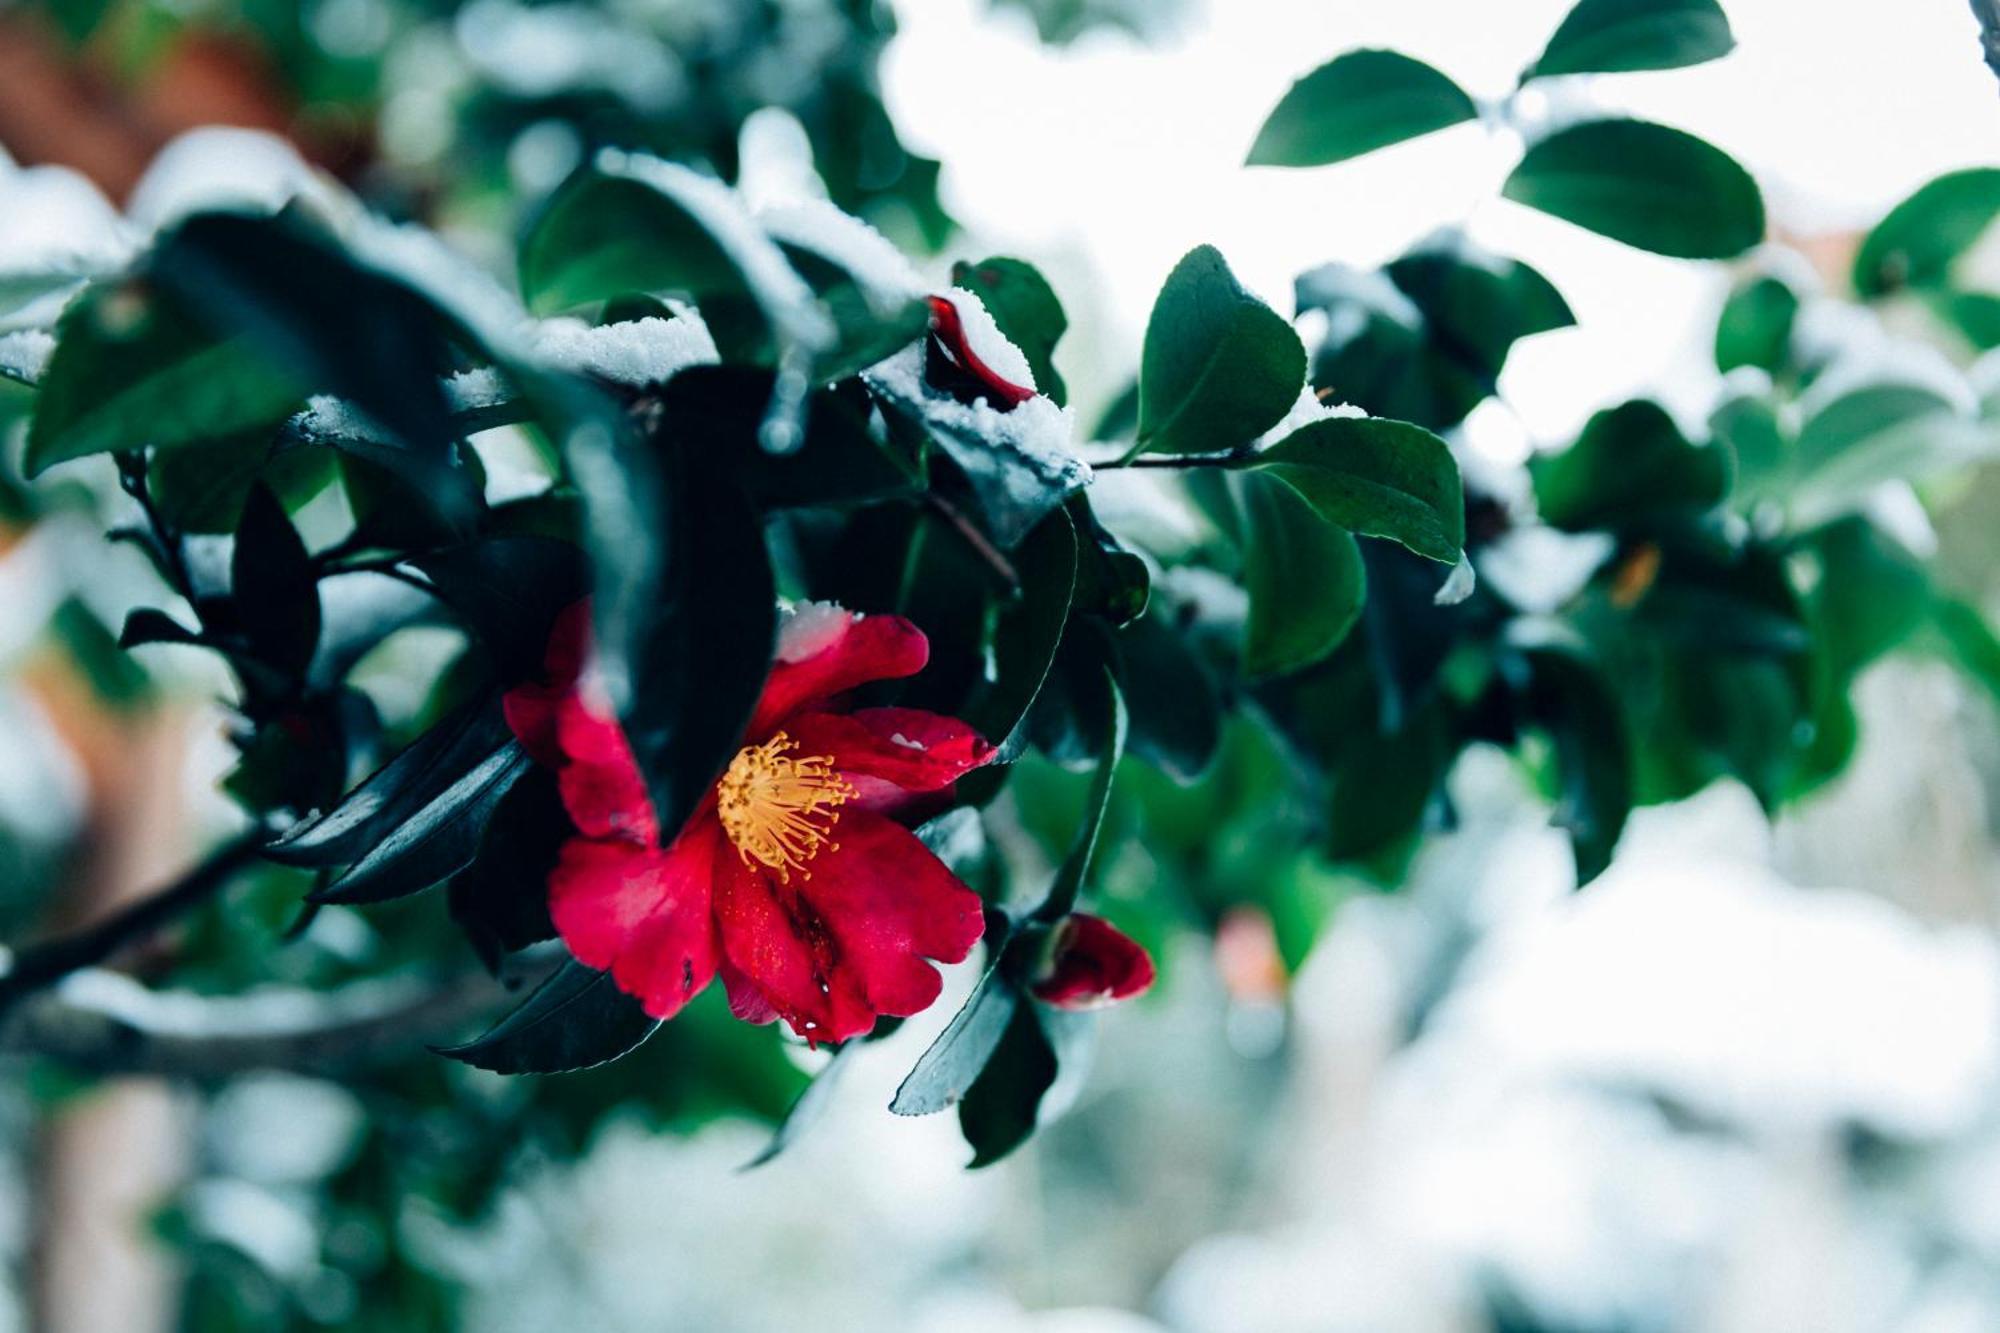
802	638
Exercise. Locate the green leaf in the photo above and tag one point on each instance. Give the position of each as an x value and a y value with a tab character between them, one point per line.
1356	103
1974	314
1649	186
1219	366
1878	433
501	900
1376	478
1916	243
507	593
634	223
1015	472
1478	303
1615	36
1428	345
870	321
1569	696
1027	633
1069	877
273	588
436	841
344	327
1970	641
1631	461
203	488
1303	574
1025	307
1176	711
132	367
843	458
576	1019
951	1065
1756	326
1871	593
1001	1108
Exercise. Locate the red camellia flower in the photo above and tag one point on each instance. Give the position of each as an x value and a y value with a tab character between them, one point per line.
1092	963
790	879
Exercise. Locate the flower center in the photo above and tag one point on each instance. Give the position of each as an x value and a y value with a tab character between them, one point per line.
778	808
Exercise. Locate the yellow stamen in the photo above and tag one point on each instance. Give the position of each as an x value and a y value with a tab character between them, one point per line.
777	808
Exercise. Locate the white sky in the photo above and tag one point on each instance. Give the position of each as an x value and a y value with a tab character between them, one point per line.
1108	160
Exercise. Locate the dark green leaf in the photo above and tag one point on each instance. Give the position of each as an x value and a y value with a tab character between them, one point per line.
273	587
1756	326
394	793
1001	1107
1915	245
1870	594
1176	712
633	223
436	841
1878	433
1027	632
1303	574
847	456
1070	875
507	593
1631	461
1219	367
1376	478
952	1063
501	900
132	368
576	1019
1649	186
1025	307
1614	36
1569	696
1356	103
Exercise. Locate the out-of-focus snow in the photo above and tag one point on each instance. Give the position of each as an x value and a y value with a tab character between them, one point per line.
886	275
219	166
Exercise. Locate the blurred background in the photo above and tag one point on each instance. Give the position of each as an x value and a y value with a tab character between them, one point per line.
1750	1080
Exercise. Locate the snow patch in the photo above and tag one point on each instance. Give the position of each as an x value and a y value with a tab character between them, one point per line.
886	276
1036	427
1307	411
984	339
806	629
219	166
638	352
24	355
777	287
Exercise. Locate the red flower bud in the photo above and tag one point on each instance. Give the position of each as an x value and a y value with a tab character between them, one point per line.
1092	964
953	365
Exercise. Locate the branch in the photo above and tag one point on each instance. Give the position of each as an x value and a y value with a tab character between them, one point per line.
103	1023
41	965
1988	14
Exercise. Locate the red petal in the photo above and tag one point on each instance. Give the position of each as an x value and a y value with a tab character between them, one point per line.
889	752
834	949
1094	964
865	649
530	711
600	781
745	1000
641	913
954	367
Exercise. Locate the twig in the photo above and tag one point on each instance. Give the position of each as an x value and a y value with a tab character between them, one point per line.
1988	14
41	965
974	538
103	1023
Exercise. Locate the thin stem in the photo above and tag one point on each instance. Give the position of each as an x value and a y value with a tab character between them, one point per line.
974	538
1178	460
103	1023
41	965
